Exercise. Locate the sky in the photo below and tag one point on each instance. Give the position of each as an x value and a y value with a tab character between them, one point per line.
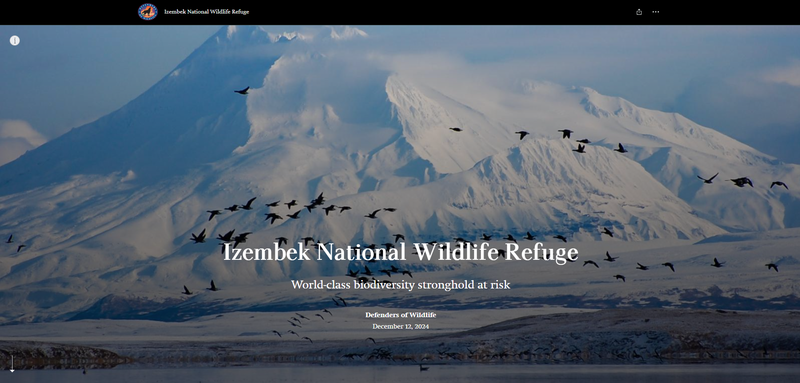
741	80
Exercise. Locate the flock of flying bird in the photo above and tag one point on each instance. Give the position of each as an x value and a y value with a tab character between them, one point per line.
566	134
361	276
228	237
741	181
272	216
297	322
11	240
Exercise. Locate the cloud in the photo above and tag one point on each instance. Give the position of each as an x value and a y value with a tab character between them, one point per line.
130	176
757	108
346	33
789	74
16	138
741	102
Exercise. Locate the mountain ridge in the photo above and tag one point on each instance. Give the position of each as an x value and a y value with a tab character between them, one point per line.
114	202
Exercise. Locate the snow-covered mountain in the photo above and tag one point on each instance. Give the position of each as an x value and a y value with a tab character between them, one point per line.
110	206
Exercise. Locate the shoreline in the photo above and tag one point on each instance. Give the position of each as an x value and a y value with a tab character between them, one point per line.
605	337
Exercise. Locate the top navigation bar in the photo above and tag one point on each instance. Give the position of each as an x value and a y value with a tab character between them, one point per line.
289	13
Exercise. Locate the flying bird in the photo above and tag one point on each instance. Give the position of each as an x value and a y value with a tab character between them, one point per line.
779	183
372	339
273	204
329	209
227	237
529	236
522	134
319	200
241	238
213	286
608	232
609	258
772	266
390	209
233	208
511	238
186	291
716	263
406	272
308	339
291	203
580	149
247	205
10	238
213	213
296	215
326	311
561	237
456	129
282	241
20	248
708	181
277	333
591	263
618	276
566	133
486	237
201	238
584	141
372	215
670	265
740	182
343	208
641	267
620	149
273	216
243	91
398	237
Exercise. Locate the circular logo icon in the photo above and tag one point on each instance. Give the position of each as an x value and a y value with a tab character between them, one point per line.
148	12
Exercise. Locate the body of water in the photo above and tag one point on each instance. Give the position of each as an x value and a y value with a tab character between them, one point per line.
722	373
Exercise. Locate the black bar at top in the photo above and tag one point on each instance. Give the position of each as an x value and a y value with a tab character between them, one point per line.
394	13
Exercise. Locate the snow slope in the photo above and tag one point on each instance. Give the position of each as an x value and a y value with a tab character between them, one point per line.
109	207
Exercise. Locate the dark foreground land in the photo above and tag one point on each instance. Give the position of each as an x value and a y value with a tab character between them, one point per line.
614	336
